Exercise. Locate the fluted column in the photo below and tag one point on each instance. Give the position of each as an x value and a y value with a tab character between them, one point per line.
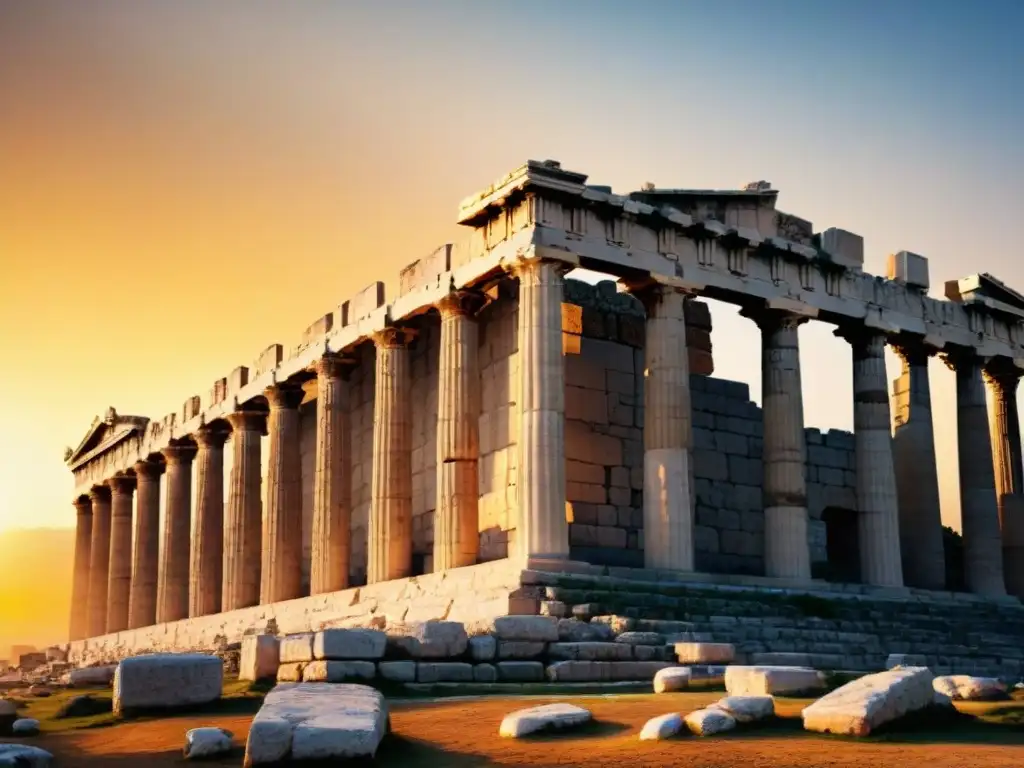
917	482
206	564
456	519
542	530
668	434
332	517
145	560
243	523
1002	378
79	624
120	582
878	516
390	529
979	511
172	586
99	560
282	529
786	550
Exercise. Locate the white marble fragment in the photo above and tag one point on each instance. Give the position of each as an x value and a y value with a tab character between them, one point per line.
24	756
662	727
862	705
345	644
708	722
167	680
531	628
672	679
969	688
207	742
556	716
295	648
259	658
746	709
772	680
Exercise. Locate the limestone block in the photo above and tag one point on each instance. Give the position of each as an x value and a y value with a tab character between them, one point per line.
603	671
485	673
662	727
338	671
444	672
653	653
362	304
24	756
428	639
291	673
666	626
618	624
768	680
968	688
520	671
207	742
640	638
843	248
705	653
859	707
520	649
746	709
905	660
349	644
315	721
259	657
590	651
542	629
553	608
483	647
25	726
296	648
92	676
548	716
708	722
167	680
672	679
908	268
398	671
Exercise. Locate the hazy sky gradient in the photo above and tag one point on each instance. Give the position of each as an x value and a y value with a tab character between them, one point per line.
184	183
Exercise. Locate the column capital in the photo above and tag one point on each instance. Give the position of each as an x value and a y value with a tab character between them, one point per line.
100	493
122	484
524	266
650	292
286	395
769	319
83	505
866	342
179	453
210	437
392	337
248	421
956	357
334	367
912	350
150	470
1003	375
465	303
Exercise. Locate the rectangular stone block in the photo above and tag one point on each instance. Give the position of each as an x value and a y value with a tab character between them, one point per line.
167	680
338	671
520	649
705	653
219	391
398	671
362	304
863	705
843	248
348	644
521	671
191	408
259	658
320	327
238	378
291	673
590	651
908	268
770	681
295	648
268	359
444	672
426	271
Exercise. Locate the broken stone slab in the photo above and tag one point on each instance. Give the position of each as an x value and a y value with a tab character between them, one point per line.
483	647
590	651
291	673
348	644
862	705
969	688
640	638
662	727
323	671
294	648
25	726
92	676
708	722
549	716
24	756
769	680
207	742
905	660
430	639
167	680
746	709
259	657
398	671
576	631
317	721
444	672
705	653
520	671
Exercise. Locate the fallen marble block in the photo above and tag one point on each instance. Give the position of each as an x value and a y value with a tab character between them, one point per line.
430	639
26	726
345	644
317	721
92	676
746	709
167	680
672	679
769	680
296	648
553	716
705	653
338	671
863	705
259	658
207	742
708	722
24	756
969	688
662	727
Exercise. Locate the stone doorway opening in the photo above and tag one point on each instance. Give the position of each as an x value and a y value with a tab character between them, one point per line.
841	545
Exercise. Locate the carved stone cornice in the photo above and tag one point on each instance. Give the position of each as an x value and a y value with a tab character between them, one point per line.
285	395
463	303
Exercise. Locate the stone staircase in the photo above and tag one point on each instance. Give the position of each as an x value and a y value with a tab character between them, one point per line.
850	629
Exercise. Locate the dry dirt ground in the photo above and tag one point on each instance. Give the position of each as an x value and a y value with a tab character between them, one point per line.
463	734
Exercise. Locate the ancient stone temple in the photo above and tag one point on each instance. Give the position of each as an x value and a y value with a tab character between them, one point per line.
453	451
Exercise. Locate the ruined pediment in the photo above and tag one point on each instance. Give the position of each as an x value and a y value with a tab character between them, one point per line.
104	432
987	290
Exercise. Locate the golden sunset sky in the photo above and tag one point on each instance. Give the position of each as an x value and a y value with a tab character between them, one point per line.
184	183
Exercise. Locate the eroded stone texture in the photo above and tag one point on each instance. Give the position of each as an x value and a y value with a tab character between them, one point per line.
120	580
206	568
243	519
1003	378
281	573
79	626
142	604
172	586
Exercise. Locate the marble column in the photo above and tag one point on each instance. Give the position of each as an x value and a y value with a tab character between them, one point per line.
917	482
878	515
542	530
243	522
119	587
332	517
206	565
99	561
390	528
979	510
282	526
79	625
145	560
172	586
456	516
668	434
786	551
1002	378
